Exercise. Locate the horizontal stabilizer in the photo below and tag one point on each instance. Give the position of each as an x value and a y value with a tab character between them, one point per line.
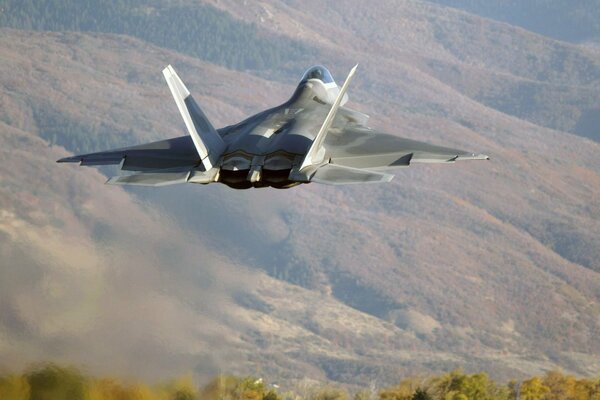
338	175
150	179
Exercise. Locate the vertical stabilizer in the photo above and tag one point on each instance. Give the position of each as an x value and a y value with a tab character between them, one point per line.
209	144
312	156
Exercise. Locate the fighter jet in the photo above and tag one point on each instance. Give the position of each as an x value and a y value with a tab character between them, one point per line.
311	137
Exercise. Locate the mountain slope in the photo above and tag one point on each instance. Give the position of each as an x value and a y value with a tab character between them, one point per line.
564	20
196	29
490	265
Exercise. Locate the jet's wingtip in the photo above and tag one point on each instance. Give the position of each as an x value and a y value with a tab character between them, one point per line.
472	156
114	180
68	159
167	70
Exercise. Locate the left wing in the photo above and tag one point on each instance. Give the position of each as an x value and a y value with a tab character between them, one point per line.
360	147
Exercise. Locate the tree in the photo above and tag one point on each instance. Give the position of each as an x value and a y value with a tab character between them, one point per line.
421	394
181	389
54	382
457	386
233	388
532	389
561	387
329	393
404	391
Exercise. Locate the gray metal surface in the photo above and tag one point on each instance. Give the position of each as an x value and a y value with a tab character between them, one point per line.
276	147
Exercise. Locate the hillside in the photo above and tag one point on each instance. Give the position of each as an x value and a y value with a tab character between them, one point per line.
195	29
491	266
562	19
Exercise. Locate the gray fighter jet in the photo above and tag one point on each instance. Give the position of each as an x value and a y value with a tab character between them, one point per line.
311	137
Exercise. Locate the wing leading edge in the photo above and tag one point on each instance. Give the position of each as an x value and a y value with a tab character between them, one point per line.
165	154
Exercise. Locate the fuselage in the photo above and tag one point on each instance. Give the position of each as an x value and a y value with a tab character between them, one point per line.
264	148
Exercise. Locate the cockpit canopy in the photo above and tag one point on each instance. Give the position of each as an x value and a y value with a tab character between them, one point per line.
318	72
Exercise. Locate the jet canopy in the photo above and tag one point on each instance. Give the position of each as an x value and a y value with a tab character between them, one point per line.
318	72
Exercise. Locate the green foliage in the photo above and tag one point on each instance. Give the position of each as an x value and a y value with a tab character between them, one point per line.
421	394
406	390
453	386
560	387
329	393
233	388
199	30
181	389
457	385
52	382
531	389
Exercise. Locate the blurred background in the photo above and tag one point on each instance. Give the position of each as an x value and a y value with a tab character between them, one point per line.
489	267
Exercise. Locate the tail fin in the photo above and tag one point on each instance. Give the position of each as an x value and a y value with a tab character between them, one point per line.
208	143
312	155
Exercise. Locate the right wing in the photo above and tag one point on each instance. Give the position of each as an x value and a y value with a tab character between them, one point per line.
203	146
151	178
165	154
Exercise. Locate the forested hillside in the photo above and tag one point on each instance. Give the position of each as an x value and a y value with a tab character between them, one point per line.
198	30
569	20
